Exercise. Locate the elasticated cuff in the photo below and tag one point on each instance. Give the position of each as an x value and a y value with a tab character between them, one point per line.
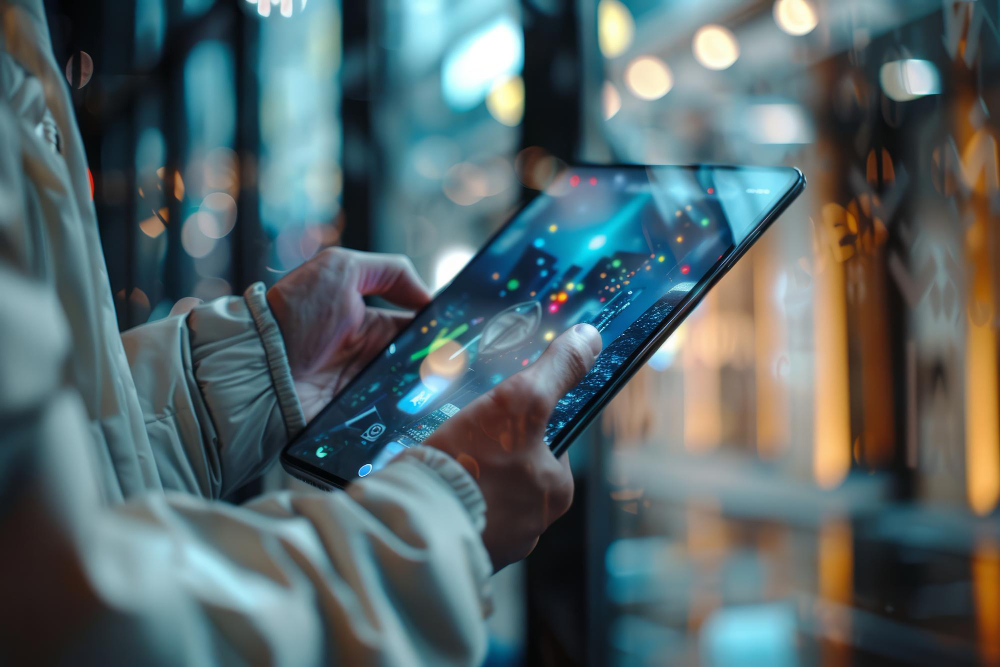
277	359
458	478
467	490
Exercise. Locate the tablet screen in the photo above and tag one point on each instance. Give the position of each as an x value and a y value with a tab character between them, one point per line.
618	247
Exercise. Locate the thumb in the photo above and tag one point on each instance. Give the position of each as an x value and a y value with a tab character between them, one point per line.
565	362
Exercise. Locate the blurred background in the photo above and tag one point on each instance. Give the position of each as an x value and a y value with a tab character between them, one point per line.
808	471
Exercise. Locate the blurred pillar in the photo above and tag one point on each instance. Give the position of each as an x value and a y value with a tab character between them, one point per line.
702	388
836	585
553	71
832	412
982	393
986	589
771	347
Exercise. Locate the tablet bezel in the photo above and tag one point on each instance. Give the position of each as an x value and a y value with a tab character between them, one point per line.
564	437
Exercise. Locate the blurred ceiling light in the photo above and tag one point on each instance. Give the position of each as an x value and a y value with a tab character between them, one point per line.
779	124
506	100
716	47
612	101
286	6
905	80
477	62
649	78
796	17
449	264
615	28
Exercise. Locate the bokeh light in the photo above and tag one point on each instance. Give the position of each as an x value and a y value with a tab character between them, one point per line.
611	100
466	184
449	264
649	78
615	28
715	47
506	100
796	17
905	80
86	69
285	7
217	215
193	240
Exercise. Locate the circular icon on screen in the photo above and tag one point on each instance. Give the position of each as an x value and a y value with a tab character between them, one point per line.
365	470
373	432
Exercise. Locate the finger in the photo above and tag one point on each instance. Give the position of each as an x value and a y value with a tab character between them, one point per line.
286	8
392	277
390	322
564	363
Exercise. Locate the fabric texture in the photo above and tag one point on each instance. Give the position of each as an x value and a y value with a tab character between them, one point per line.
115	451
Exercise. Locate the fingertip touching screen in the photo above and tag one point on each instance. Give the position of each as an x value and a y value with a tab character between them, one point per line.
617	247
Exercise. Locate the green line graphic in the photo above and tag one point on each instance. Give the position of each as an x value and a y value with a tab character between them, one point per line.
443	337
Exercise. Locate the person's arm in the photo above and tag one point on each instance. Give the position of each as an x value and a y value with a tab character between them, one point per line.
216	393
392	571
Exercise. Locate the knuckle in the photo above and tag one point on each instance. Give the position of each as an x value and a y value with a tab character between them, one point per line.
577	362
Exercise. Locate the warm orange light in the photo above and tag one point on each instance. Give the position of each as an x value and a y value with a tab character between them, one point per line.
702	389
982	390
986	590
832	408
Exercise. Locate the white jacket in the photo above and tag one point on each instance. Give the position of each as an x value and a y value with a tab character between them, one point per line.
114	451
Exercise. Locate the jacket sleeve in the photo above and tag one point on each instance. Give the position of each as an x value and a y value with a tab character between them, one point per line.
216	393
392	571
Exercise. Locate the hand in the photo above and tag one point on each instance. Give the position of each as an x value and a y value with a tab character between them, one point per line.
330	334
498	439
287	6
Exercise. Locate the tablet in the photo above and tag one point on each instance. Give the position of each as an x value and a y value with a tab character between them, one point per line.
629	249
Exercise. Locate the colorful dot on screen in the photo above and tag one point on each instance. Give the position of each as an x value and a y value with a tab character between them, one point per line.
678	213
553	228
704	222
616	263
660	258
503	293
604	275
570	285
602	299
579	287
562	297
495	276
539	243
685	269
544	273
540	261
532	293
688	207
553	308
680	239
513	284
549	335
711	191
524	363
574	180
423	329
593	180
553	296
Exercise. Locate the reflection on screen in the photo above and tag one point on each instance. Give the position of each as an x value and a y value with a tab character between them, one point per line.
619	248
